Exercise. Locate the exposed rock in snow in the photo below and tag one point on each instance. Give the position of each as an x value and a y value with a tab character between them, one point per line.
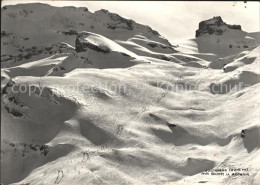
84	42
214	26
217	37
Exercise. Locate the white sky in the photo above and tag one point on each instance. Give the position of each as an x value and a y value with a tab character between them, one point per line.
176	20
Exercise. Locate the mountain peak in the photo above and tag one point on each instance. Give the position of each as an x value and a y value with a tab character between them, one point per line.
217	18
214	26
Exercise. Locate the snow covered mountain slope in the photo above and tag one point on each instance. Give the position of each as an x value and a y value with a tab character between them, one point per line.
23	37
116	106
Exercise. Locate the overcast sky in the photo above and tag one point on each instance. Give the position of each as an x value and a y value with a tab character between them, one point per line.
174	20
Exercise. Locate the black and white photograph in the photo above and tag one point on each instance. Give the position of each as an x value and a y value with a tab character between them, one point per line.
130	92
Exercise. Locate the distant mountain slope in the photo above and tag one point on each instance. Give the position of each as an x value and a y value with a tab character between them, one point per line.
23	37
215	36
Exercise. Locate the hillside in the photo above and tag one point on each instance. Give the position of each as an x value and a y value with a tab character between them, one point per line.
23	38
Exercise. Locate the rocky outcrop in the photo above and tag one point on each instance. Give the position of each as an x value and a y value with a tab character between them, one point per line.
214	26
120	22
29	52
83	44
